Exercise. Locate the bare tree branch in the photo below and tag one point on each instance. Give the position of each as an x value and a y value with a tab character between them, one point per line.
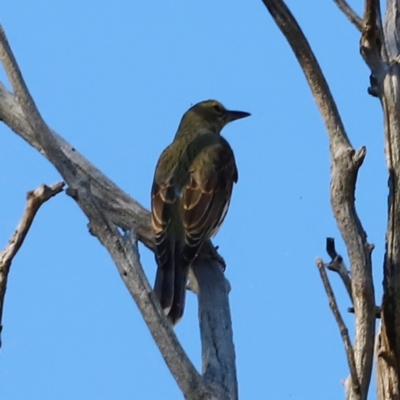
122	209
124	253
215	326
350	14
342	328
345	165
107	207
30	110
35	199
107	233
315	78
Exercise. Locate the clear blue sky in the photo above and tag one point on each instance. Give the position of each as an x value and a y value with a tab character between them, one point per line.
114	78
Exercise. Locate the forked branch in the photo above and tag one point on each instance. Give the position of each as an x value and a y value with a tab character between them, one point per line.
345	165
108	207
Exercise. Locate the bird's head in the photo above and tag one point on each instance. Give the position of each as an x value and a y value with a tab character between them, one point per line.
211	115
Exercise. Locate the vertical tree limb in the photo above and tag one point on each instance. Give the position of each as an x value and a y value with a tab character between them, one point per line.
215	325
344	169
380	49
344	333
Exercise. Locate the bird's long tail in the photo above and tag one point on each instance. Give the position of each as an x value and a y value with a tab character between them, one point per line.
170	283
180	281
164	283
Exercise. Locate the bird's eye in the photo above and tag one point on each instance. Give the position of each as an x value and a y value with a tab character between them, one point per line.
217	108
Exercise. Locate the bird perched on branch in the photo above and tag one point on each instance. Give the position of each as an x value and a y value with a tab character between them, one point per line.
190	196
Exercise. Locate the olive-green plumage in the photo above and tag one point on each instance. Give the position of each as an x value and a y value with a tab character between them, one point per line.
191	192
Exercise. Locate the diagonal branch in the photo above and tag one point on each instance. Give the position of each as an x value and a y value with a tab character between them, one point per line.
80	190
345	163
342	327
35	199
108	207
125	255
29	108
350	14
122	209
312	71
107	233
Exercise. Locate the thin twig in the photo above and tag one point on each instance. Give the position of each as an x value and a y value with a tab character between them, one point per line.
378	311
35	199
350	14
342	327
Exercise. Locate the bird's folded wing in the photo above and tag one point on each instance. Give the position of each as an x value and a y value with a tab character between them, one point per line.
163	197
207	195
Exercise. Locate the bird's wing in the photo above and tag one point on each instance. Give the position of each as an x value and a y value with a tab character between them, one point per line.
206	196
163	199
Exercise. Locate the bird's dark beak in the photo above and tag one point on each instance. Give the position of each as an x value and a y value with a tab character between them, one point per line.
234	115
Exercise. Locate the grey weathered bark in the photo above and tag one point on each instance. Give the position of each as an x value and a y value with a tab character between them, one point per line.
345	162
380	48
107	208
